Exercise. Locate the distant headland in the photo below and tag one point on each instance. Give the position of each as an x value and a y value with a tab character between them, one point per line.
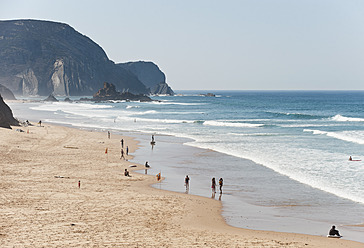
44	57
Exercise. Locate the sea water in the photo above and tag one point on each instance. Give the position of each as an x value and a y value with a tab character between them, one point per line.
283	155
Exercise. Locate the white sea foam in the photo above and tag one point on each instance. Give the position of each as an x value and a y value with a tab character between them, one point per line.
176	103
343	118
350	136
129	107
255	134
230	124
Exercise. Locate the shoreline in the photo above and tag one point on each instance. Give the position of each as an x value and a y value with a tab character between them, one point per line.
159	218
243	209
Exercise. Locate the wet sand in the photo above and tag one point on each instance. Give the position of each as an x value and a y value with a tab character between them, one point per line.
42	204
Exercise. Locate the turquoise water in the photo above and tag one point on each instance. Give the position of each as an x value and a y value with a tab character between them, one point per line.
283	148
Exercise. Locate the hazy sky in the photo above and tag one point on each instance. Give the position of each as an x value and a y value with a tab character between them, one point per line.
241	45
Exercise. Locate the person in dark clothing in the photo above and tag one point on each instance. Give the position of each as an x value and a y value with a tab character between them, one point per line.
221	182
187	183
334	232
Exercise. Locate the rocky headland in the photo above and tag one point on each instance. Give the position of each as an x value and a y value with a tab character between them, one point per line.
44	57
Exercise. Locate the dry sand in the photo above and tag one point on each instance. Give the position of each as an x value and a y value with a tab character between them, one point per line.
42	206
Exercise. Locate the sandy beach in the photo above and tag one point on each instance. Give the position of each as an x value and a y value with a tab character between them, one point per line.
42	204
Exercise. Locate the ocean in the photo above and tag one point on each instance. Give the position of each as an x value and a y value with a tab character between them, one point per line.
284	155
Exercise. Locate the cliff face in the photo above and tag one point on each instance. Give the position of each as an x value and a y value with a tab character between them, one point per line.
6	93
6	115
42	57
150	75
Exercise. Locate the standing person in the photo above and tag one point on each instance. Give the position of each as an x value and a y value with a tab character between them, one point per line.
122	143
187	183
152	138
147	165
127	150
221	182
108	134
79	184
213	185
122	154
40	123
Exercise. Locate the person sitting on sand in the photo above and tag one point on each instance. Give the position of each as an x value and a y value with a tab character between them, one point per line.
334	232
147	165
126	173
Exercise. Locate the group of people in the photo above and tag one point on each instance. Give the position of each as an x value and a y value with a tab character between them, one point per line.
213	184
122	150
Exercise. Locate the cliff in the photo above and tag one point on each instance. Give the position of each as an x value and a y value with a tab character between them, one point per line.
150	75
43	57
6	93
6	115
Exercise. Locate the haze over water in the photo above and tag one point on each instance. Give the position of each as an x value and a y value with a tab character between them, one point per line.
285	153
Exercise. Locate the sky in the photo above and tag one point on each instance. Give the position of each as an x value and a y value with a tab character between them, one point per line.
222	45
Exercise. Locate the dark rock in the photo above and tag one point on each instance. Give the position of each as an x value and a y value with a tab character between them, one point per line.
161	89
6	115
150	75
67	99
108	92
208	94
43	57
51	98
6	93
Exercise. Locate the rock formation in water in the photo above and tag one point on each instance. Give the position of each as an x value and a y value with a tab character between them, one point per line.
109	92
43	57
6	115
51	98
6	93
150	75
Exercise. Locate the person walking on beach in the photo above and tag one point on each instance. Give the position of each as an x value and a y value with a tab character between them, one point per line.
221	182
122	143
127	150
79	184
122	154
152	138
213	185
187	183
108	134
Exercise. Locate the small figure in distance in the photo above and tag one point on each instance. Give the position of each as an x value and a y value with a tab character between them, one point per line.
152	138
126	173
122	154
108	134
40	123
334	232
213	185
221	183
350	158
122	143
147	165
187	183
